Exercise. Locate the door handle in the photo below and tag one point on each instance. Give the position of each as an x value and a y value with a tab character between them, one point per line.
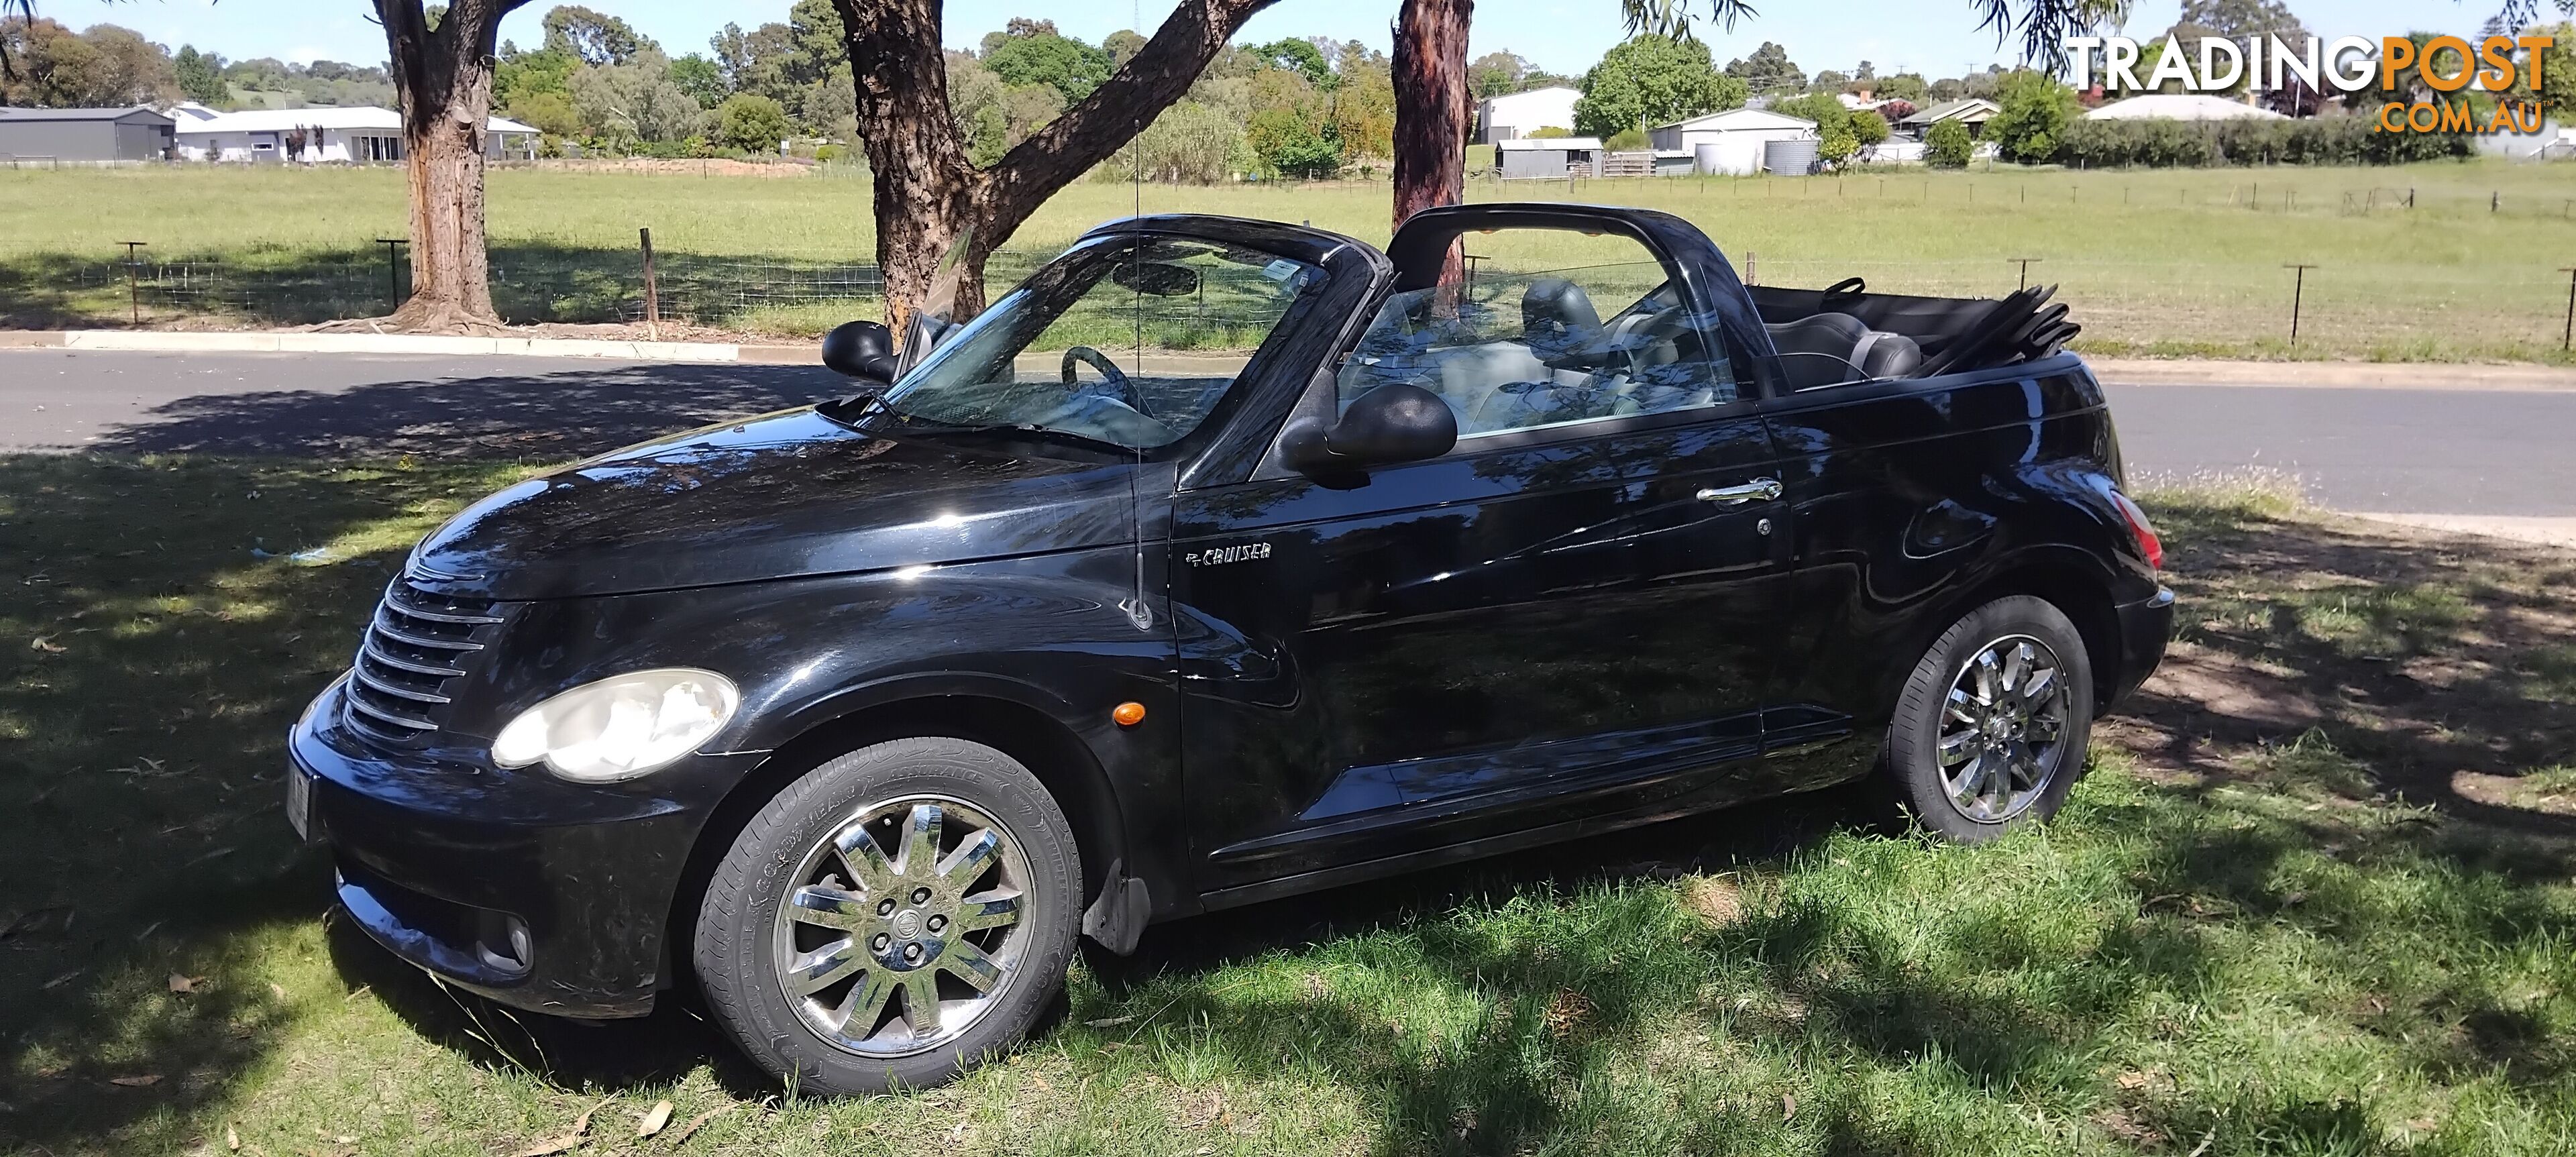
1758	490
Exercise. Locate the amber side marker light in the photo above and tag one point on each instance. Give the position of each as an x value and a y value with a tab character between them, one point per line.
1128	714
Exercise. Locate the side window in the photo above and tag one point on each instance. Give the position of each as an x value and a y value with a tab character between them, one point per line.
1550	327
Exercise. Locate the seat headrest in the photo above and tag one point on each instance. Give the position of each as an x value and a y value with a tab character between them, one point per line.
1553	307
1823	333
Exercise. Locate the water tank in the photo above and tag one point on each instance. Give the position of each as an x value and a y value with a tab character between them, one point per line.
1789	158
1708	158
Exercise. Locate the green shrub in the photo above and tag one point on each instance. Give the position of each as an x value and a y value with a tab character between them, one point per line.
1947	145
2324	140
1627	140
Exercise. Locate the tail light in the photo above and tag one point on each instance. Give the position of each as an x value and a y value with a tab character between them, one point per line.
2149	546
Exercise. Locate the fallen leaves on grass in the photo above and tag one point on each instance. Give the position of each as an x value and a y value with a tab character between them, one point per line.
653	1120
138	1081
46	645
182	983
565	1142
1567	1013
1109	1021
232	1138
686	1131
1788	1107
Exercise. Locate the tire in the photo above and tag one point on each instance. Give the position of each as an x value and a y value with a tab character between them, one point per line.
870	931
2003	768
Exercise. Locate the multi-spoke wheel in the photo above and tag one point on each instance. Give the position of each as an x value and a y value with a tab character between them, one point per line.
902	931
892	917
2003	728
1994	721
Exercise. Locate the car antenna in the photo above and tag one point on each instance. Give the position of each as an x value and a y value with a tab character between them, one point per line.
1139	611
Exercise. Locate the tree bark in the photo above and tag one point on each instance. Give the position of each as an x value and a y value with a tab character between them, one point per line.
1430	76
444	81
927	191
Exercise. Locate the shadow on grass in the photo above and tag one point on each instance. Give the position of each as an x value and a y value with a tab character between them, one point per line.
550	410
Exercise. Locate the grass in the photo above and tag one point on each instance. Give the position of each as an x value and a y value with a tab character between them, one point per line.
2156	263
2314	898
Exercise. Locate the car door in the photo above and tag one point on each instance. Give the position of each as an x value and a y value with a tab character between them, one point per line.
1546	625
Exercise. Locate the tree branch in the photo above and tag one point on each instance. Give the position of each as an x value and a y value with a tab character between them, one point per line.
1159	74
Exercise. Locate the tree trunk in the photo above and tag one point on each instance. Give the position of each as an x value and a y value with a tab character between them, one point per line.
1430	76
444	81
927	191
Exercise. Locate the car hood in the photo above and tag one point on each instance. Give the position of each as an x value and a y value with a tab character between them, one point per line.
777	496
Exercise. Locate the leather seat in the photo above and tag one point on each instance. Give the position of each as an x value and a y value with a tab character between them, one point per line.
1829	348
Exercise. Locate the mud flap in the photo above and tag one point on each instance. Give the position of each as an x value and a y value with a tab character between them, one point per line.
1117	919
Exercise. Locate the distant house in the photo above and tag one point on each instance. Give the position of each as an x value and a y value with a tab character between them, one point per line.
1550	156
1973	112
1730	141
2193	106
354	135
1503	118
84	135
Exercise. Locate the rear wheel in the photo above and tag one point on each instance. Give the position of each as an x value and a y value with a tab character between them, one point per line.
891	918
1994	723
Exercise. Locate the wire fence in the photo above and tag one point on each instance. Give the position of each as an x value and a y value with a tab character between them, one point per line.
2523	307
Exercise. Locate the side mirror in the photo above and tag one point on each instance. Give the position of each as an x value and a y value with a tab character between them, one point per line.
861	349
1392	423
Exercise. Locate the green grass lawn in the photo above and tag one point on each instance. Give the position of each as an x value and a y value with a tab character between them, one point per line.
2155	262
2315	898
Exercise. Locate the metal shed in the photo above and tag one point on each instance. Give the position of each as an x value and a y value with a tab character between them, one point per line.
85	135
1550	156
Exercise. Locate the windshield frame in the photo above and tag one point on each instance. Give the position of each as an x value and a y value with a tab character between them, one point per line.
887	416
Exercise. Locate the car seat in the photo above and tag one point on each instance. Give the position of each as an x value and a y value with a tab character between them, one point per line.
1829	348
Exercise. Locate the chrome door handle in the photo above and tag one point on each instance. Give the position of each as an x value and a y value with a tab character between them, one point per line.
1758	490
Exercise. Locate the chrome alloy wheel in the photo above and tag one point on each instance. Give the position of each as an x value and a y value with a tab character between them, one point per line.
2003	728
902	928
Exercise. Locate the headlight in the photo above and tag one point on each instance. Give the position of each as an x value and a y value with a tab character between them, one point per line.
621	727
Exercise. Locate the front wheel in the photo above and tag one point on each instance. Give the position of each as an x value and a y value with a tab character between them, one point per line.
1994	722
892	918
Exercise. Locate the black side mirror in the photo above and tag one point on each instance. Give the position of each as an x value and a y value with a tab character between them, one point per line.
1392	423
861	349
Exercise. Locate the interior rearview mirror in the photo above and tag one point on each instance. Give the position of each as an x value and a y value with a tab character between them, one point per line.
862	350
1392	423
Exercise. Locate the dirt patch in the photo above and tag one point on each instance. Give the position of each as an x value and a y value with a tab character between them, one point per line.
2410	650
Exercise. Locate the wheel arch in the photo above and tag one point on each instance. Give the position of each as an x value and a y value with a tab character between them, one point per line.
999	717
2072	583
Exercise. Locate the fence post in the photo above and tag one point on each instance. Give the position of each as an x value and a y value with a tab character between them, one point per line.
393	271
652	290
1752	268
2025	263
2298	290
2567	340
2495	200
133	291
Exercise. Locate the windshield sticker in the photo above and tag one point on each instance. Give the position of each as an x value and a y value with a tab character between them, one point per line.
1280	270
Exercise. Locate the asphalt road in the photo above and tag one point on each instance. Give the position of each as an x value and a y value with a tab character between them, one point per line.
2440	452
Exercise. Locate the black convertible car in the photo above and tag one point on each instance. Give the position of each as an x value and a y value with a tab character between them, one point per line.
1222	560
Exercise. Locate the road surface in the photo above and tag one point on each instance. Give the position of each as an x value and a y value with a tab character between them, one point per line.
2432	454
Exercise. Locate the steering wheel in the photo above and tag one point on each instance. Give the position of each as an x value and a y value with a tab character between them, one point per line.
1112	378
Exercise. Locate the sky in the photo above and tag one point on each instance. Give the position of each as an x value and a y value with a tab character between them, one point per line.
1937	38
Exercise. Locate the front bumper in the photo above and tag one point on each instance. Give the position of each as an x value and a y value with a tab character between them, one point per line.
2145	626
541	894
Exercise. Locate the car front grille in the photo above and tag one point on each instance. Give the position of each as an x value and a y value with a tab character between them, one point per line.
416	650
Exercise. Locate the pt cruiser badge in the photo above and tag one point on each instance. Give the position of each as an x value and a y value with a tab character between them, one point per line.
1222	555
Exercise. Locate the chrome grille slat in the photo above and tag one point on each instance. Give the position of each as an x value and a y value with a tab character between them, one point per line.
415	696
370	650
416	646
427	641
362	706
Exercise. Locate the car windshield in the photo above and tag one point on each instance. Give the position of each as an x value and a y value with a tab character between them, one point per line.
1129	341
